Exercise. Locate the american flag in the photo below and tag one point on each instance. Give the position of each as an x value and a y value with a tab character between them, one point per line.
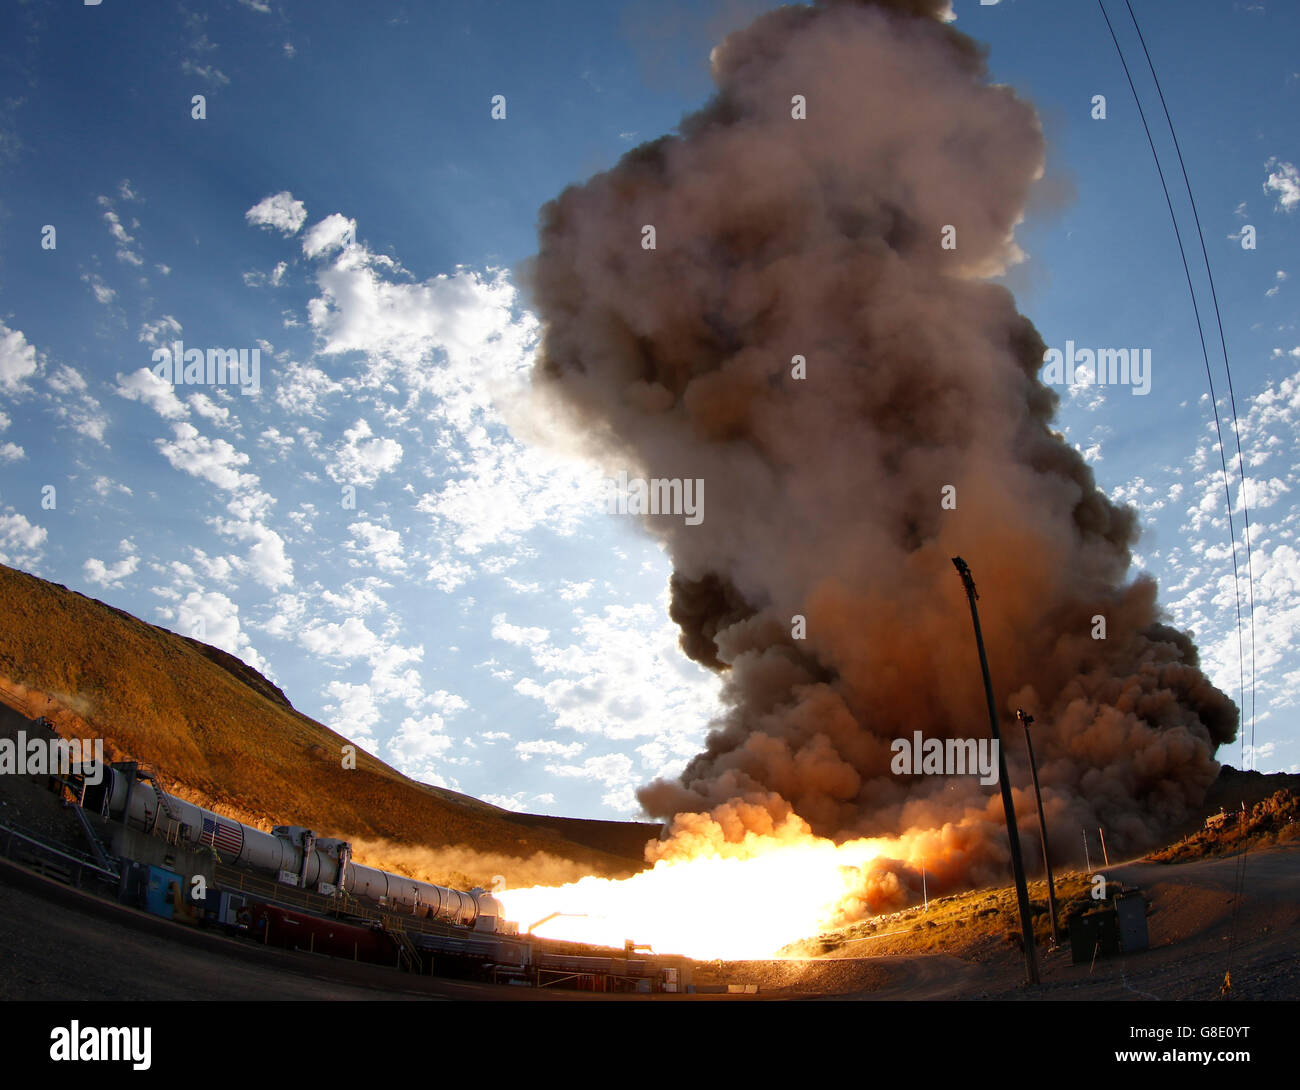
228	840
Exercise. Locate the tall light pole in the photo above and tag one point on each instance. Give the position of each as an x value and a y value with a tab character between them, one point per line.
1008	806
1042	823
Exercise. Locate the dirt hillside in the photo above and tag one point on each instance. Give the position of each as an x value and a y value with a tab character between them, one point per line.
222	735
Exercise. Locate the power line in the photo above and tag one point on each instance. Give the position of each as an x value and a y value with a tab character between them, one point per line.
1205	353
1239	878
1227	367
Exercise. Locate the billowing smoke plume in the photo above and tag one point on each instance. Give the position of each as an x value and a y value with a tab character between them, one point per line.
777	236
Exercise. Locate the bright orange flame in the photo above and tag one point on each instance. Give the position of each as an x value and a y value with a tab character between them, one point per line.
747	905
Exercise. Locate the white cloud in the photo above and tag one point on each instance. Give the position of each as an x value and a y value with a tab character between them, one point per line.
146	387
614	770
349	640
333	232
211	460
104	485
378	545
361	457
353	713
73	404
622	677
212	618
1205	597
103	293
21	543
287	616
545	747
160	331
280	212
1283	181
519	802
120	236
302	388
17	360
273	437
461	342
265	559
359	597
111	575
523	637
448	575
209	72
206	407
419	749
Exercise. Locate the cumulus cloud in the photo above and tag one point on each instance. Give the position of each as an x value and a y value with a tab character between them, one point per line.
147	388
160	331
119	233
21	542
212	618
546	747
352	712
212	460
362	457
1209	594
264	558
18	360
524	637
332	233
102	292
302	389
376	545
111	575
620	675
419	749
457	349
280	212
1284	183
74	406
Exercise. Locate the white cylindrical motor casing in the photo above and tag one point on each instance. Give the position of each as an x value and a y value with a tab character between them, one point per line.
277	854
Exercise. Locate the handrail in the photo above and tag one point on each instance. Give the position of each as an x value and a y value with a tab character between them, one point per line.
96	846
70	855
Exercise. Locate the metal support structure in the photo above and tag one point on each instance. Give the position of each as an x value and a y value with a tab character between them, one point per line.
1042	824
1008	804
1104	853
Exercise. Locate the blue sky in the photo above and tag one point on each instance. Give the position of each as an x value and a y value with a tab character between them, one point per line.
349	208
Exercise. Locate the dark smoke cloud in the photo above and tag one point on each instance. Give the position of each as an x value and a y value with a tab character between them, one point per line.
821	237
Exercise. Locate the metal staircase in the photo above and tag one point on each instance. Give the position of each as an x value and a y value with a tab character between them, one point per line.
164	807
97	849
408	957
